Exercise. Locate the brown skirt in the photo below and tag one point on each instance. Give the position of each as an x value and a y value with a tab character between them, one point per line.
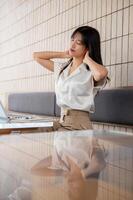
72	120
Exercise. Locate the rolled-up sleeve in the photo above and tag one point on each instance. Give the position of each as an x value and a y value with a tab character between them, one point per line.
99	85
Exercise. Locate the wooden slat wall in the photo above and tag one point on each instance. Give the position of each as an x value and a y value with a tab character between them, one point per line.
36	25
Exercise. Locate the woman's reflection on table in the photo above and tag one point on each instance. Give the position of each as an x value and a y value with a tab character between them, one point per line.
79	159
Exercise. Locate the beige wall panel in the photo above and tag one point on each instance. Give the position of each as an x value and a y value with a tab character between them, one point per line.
94	9
107	53
130	74
120	4
131	2
130	48
103	33
125	49
104	5
118	50
113	51
119	23
37	25
99	8
89	10
124	75
126	3
131	20
108	27
103	51
118	76
114	24
125	21
113	75
114	5
109	6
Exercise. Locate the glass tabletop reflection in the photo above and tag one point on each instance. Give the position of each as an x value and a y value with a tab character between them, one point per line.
73	165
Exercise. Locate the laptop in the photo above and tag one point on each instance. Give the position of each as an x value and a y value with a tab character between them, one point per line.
23	120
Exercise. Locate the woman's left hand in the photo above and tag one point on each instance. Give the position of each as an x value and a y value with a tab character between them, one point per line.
86	57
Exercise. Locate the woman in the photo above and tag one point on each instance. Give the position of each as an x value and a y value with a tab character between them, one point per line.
78	80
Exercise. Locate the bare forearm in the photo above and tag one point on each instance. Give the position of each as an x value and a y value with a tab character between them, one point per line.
47	55
99	71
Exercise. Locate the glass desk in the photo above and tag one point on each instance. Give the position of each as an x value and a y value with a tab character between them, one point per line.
77	165
7	128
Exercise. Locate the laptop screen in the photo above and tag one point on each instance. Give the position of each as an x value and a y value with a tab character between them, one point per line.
3	116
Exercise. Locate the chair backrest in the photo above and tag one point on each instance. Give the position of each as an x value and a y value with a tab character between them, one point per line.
41	103
114	106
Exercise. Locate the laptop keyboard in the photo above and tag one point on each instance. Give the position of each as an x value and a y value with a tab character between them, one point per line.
28	118
19	117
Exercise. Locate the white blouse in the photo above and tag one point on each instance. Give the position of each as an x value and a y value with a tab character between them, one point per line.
78	147
77	90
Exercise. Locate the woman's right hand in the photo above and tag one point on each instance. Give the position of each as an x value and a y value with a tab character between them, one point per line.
67	55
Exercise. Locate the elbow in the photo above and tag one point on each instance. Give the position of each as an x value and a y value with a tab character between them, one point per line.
104	73
101	75
35	57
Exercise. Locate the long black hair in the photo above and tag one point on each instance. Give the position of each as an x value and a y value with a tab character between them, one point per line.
91	40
